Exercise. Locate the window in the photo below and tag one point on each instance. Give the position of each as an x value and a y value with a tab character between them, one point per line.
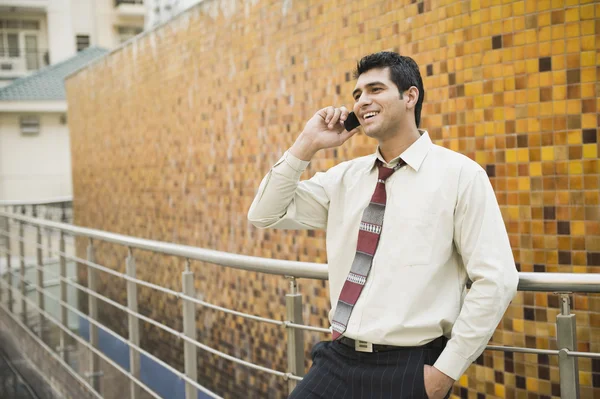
127	32
83	42
12	37
30	125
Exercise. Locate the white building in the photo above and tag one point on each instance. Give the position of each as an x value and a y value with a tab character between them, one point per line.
35	156
160	11
36	33
41	42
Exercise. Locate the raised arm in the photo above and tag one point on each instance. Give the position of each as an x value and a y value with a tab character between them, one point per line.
282	200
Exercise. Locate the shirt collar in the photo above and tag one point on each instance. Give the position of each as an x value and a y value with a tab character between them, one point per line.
413	155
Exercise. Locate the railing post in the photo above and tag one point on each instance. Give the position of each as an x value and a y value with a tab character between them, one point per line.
189	330
40	281
9	267
134	326
22	274
94	361
566	331
63	297
295	336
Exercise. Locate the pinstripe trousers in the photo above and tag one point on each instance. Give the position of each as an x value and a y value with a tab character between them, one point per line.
339	372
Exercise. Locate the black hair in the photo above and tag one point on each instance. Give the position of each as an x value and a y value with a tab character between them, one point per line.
404	72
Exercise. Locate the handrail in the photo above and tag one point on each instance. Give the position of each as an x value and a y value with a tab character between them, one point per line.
243	262
561	284
545	282
47	201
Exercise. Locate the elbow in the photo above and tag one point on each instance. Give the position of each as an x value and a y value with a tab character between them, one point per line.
259	220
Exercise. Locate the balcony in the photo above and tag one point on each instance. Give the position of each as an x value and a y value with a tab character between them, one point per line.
130	8
15	62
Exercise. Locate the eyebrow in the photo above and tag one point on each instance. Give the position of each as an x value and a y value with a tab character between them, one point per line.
357	90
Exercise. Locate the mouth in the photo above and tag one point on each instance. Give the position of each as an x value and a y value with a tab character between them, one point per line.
370	115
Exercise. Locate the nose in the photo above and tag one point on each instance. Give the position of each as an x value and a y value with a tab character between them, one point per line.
363	100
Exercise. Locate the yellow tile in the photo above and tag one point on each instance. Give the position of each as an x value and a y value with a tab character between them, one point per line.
572	14
588	58
590	151
511	156
572	30
588	121
559	107
558	32
518	8
574	137
531	384
545	78
577	228
588	89
574	45
543	5
544	19
464	380
535	169
532	65
587	28
559	93
524	184
587	11
523	154
575	167
547	153
588	75
573	107
587	43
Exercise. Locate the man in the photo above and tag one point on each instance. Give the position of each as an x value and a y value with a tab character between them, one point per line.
406	228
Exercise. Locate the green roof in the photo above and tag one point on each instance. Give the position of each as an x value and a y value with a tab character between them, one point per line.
49	83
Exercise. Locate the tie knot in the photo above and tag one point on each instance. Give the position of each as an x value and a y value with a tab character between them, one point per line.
384	172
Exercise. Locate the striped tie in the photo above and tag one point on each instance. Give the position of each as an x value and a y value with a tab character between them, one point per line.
368	237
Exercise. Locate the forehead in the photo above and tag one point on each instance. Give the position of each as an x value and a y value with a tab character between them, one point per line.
374	75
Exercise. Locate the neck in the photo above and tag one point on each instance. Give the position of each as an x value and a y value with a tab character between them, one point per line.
395	145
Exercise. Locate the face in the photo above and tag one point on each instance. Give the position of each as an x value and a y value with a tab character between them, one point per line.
378	106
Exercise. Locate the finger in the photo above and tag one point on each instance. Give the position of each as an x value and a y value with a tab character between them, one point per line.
336	116
344	114
330	111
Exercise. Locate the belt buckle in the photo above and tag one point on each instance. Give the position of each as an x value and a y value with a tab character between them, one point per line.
363	346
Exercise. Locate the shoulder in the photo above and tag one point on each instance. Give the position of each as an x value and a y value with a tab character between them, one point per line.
455	163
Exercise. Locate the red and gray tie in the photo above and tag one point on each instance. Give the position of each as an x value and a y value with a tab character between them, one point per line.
368	237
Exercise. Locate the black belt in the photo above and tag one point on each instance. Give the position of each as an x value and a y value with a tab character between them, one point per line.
438	343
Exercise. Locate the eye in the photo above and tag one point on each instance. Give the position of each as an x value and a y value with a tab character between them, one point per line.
376	89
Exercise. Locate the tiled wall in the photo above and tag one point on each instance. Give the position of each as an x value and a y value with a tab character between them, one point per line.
172	134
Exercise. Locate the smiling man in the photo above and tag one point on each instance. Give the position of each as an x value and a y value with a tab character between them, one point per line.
406	228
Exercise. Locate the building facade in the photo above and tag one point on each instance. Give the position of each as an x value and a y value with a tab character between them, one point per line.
37	33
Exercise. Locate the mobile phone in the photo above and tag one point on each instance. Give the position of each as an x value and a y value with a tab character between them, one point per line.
351	122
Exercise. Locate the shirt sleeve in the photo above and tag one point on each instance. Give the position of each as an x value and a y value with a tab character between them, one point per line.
284	202
482	241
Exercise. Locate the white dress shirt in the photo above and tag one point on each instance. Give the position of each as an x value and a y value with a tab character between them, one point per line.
442	225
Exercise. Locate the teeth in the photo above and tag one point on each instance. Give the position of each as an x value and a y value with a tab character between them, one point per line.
370	114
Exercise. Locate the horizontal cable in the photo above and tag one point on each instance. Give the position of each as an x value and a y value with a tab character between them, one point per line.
52	353
118	337
90	347
167	290
178	334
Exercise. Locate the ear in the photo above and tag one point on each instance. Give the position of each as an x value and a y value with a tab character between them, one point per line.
412	96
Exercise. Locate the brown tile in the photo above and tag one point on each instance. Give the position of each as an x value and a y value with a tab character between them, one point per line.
546	94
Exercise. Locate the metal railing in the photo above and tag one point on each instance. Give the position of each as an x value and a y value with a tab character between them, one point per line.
562	284
119	2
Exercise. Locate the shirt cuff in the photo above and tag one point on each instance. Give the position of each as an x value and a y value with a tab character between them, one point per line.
290	166
452	364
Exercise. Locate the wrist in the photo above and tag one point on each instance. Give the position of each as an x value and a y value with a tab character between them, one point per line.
302	149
